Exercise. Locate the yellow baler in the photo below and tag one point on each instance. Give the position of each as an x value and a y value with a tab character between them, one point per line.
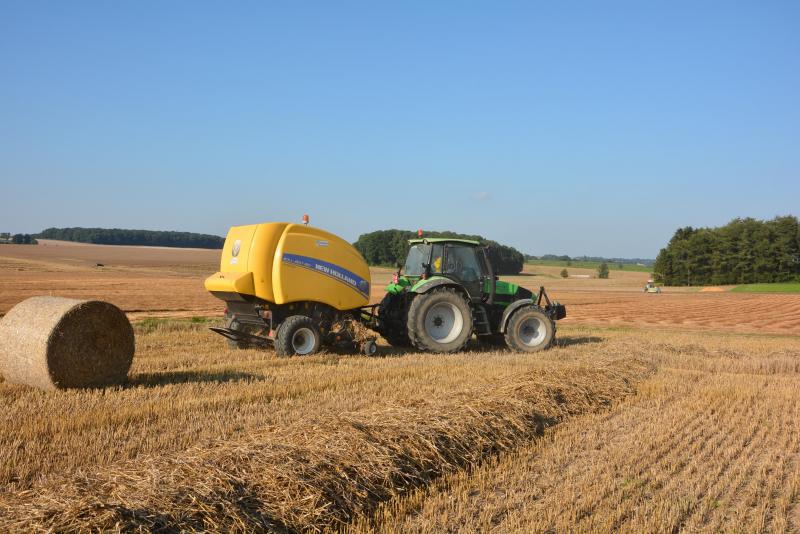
292	285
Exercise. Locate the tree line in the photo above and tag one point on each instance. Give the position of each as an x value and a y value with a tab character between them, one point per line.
17	239
118	236
743	251
389	247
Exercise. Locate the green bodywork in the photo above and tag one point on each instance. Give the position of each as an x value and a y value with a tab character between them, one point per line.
395	288
504	291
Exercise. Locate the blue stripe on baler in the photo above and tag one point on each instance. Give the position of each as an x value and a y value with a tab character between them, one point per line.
331	270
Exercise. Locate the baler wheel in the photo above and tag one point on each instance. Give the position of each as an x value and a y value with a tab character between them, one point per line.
299	335
369	348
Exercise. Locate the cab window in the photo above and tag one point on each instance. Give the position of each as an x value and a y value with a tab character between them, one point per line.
417	256
437	258
462	263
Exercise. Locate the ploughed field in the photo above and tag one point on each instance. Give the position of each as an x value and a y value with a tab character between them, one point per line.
653	413
163	282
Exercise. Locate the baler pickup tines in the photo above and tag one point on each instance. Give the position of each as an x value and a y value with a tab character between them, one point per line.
242	337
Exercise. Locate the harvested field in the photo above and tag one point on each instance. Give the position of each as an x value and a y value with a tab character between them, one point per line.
312	442
654	413
711	442
142	281
674	428
160	282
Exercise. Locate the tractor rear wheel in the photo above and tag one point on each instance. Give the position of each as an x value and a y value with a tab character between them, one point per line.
529	330
439	321
393	317
299	335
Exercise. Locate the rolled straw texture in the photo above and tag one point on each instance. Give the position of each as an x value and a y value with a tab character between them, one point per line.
55	343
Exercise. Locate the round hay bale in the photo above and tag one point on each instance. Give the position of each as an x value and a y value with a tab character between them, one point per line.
54	342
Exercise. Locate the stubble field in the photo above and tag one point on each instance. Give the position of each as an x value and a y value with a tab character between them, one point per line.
163	282
675	412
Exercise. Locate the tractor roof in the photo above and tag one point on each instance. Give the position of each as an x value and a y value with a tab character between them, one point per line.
443	240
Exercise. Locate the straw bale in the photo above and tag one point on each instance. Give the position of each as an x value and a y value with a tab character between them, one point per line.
54	342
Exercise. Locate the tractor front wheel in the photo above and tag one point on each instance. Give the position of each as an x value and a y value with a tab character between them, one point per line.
529	330
299	335
439	321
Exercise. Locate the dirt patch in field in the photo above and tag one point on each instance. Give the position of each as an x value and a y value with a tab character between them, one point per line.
732	312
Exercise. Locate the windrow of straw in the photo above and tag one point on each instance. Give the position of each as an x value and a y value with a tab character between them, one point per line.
322	471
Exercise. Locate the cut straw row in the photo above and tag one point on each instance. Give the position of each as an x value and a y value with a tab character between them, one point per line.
322	471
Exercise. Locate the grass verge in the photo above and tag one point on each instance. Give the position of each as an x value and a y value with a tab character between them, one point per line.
786	287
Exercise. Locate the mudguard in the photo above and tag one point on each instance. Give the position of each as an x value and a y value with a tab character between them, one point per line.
511	308
553	310
423	286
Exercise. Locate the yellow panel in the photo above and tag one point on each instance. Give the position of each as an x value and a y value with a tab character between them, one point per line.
314	265
231	283
236	249
265	239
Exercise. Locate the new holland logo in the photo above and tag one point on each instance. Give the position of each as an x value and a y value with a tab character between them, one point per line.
331	270
236	246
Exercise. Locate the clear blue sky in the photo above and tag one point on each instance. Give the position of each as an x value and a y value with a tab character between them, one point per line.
557	127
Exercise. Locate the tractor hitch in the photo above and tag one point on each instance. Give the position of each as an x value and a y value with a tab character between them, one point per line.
552	308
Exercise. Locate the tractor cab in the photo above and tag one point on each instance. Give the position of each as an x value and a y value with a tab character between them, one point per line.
459	260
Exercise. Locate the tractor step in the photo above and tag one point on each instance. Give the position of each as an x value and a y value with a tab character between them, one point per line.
480	321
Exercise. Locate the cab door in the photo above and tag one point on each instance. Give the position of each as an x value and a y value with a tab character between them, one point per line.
461	265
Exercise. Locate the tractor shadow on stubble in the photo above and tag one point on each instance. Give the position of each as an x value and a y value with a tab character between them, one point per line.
152	380
569	341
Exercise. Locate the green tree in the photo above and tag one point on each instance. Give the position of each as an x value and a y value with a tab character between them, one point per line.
602	270
564	273
743	251
23	239
119	236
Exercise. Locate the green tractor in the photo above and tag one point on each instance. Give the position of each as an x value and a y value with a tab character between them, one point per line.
447	291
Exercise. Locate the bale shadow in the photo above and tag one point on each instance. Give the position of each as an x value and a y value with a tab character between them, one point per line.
152	380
